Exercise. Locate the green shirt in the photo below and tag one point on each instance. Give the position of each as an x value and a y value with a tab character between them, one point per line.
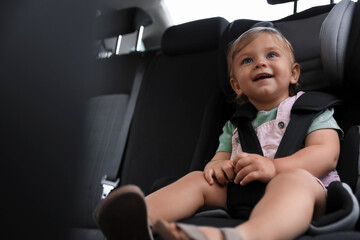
323	120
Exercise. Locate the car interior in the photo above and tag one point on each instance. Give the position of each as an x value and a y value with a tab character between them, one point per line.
159	94
182	104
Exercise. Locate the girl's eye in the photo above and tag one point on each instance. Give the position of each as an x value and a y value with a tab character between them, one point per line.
271	55
247	60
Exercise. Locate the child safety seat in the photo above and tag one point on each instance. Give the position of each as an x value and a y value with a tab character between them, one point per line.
319	37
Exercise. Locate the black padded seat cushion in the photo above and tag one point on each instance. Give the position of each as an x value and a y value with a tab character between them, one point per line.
338	205
176	91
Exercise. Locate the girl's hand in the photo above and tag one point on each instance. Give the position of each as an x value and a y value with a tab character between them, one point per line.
220	170
251	167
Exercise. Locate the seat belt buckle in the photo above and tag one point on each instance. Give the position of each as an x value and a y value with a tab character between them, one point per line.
108	186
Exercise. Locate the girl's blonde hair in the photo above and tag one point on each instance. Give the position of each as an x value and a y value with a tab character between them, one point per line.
247	37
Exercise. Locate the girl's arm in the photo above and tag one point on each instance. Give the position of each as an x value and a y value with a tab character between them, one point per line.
319	156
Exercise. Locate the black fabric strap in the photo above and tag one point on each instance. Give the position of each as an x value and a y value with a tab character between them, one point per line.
247	136
114	159
242	199
303	112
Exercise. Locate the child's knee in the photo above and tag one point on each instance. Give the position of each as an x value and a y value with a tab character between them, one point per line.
195	178
304	184
214	194
195	175
295	178
198	178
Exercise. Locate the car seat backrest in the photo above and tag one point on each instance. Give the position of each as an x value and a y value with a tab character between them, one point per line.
336	32
320	37
348	166
334	37
303	34
353	51
326	45
351	83
176	90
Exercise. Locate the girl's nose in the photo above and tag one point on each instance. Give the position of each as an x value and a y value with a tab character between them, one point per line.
260	63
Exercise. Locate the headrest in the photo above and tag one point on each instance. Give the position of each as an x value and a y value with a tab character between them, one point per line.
274	2
121	22
334	38
192	37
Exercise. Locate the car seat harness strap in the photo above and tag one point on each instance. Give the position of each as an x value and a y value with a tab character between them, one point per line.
304	110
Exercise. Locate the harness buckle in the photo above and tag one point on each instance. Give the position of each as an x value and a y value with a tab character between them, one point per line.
108	186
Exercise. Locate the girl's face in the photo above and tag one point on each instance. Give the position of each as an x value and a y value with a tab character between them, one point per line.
263	71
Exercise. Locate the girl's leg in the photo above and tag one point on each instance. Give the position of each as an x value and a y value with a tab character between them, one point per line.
124	214
184	197
290	201
287	208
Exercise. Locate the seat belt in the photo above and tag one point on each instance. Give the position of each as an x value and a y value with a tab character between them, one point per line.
110	180
303	113
306	107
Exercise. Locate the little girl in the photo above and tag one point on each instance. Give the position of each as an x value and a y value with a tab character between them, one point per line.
287	192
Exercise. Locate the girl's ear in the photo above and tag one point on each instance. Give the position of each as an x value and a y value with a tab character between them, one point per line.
295	73
235	86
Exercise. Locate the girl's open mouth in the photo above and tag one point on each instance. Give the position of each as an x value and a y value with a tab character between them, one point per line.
262	76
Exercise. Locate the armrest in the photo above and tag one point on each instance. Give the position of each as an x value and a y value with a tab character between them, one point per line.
342	211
